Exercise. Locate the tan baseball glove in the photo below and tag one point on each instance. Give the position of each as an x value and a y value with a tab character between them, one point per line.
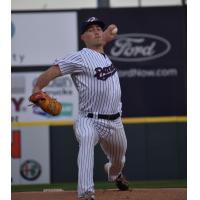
46	103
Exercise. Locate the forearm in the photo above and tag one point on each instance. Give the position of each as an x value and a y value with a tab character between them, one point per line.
46	77
41	82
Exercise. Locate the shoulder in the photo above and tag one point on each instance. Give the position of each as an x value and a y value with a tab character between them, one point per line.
73	55
70	57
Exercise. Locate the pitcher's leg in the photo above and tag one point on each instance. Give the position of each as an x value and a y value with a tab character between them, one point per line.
87	140
114	146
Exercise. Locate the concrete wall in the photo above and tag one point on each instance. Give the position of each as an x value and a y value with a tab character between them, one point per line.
52	4
79	4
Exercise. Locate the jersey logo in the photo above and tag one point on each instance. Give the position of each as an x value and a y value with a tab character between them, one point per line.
104	73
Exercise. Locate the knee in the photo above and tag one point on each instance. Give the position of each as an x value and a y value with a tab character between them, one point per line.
118	160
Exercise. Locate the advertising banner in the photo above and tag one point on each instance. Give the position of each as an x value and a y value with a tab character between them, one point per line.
150	55
61	88
30	155
40	37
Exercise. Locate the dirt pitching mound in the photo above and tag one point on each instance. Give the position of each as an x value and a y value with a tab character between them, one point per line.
132	194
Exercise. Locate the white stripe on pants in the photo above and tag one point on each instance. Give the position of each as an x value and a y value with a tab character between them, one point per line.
113	141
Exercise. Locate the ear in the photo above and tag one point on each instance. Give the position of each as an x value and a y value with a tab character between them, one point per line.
82	37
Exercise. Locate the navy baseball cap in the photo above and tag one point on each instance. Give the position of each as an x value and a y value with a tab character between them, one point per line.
90	21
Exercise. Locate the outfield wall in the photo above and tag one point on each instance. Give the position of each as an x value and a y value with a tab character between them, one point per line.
156	151
150	54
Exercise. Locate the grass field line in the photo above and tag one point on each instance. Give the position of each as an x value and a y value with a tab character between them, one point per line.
130	189
102	185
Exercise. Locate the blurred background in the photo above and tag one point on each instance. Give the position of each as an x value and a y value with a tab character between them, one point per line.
150	53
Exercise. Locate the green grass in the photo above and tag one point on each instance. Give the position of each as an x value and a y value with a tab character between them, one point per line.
103	185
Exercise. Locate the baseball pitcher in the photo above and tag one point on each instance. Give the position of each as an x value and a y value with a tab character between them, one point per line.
99	119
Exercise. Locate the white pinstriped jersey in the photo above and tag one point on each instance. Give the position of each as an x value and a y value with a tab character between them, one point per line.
96	80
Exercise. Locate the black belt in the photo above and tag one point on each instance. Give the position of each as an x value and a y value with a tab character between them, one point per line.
108	117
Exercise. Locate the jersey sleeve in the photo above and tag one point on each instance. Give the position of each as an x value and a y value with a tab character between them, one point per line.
70	64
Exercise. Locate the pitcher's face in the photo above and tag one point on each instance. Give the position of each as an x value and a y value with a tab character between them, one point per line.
93	36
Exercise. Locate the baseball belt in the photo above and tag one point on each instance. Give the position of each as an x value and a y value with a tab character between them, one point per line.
101	116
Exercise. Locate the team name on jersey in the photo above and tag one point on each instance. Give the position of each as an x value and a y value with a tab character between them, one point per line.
104	73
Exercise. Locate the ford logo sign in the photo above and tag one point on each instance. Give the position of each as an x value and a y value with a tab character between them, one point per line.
138	47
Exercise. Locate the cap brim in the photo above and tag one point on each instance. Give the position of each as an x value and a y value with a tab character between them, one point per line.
87	24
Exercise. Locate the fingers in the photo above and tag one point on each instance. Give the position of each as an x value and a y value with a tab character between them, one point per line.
35	97
110	28
110	33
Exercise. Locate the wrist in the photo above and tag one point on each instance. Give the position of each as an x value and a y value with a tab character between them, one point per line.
36	89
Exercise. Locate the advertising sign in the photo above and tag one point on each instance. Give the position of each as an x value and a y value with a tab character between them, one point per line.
30	155
61	88
150	55
40	37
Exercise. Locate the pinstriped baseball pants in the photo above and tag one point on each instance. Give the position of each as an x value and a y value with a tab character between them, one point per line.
111	136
